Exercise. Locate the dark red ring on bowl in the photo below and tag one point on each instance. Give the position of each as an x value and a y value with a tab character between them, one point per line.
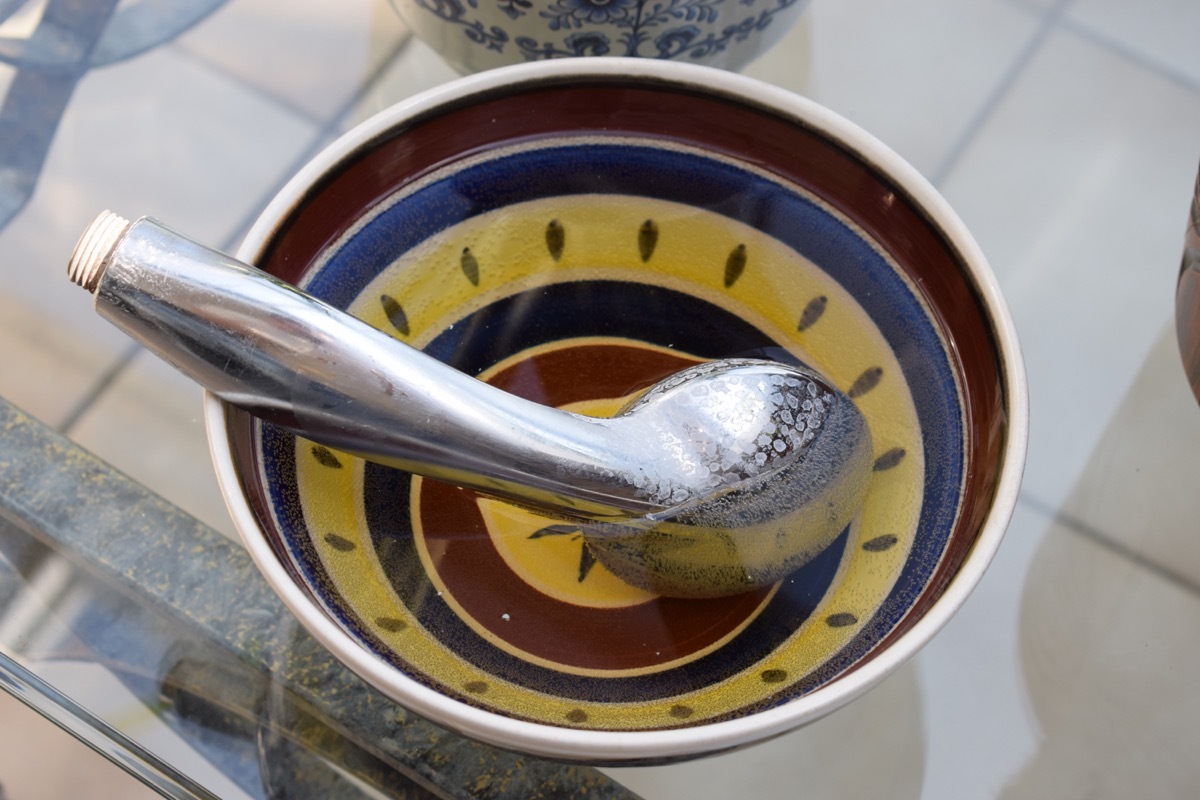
762	137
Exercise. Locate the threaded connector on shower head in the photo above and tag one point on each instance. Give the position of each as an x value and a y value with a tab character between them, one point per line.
91	253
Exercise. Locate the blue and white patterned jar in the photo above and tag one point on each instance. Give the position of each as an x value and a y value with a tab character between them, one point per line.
474	35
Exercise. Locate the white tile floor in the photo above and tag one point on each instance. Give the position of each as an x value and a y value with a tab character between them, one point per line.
1092	157
1065	132
883	66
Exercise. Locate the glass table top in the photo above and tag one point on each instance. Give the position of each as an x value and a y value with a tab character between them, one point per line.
1066	133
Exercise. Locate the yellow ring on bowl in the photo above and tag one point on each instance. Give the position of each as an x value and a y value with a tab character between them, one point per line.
690	256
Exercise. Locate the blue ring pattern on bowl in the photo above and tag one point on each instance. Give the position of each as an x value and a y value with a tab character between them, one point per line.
682	176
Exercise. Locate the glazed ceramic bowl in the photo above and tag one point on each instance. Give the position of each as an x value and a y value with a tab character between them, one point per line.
574	231
474	36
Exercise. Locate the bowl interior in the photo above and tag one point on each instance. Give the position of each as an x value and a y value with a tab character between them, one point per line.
573	242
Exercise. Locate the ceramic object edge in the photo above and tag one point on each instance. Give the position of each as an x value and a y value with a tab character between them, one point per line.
616	747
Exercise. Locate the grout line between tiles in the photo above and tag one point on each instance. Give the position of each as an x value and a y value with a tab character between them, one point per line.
231	242
326	130
184	51
1114	46
371	81
181	48
1049	20
100	387
1098	537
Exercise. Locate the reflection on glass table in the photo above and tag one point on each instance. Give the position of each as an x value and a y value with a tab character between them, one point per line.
175	617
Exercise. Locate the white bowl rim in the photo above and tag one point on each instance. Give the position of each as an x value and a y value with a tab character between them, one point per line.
615	747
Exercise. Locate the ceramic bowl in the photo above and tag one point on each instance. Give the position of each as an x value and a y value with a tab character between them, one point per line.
474	36
574	231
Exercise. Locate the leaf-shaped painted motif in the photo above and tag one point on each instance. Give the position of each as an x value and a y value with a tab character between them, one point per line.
889	459
735	265
556	239
840	620
812	312
774	675
470	266
339	543
865	382
391	624
325	457
395	313
554	530
881	543
647	239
